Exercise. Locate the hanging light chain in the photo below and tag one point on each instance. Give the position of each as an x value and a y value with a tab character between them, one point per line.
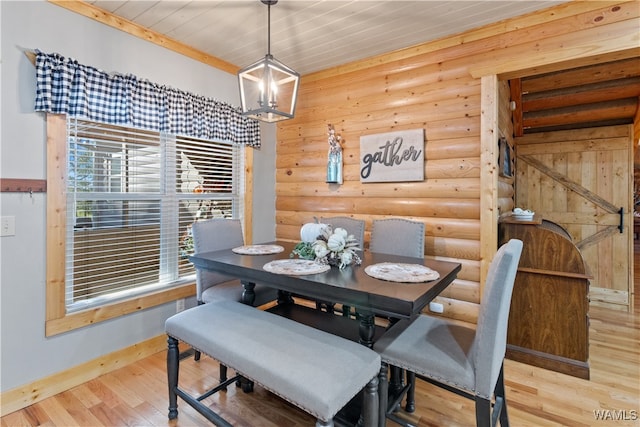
269	3
269	28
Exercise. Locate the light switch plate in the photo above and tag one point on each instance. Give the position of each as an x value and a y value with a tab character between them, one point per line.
8	226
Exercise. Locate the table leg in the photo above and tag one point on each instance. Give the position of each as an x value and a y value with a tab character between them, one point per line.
367	328
284	297
173	367
249	294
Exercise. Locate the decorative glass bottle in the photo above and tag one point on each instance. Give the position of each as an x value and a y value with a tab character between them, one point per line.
334	158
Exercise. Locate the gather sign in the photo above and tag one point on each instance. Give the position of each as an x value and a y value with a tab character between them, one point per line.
392	157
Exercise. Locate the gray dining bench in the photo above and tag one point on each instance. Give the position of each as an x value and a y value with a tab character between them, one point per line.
314	370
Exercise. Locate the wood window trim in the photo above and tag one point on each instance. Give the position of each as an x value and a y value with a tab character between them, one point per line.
57	319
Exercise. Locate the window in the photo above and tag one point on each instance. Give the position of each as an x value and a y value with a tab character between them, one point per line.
115	194
123	182
132	196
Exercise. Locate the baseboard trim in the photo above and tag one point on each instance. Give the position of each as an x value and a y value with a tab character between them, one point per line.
28	394
552	362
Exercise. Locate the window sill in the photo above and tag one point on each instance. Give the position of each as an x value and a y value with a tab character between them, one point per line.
92	316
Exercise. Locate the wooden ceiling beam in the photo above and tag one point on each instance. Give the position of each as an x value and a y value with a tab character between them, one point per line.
598	95
618	109
584	75
573	126
584	94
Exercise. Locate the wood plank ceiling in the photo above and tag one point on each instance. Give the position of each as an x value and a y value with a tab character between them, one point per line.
597	95
310	36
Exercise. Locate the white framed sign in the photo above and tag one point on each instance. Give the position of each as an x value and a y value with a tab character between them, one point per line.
392	157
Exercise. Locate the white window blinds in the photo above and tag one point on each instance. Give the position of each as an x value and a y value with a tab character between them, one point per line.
132	197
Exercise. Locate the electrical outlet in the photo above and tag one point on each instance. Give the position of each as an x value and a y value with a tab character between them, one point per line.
436	307
8	226
180	305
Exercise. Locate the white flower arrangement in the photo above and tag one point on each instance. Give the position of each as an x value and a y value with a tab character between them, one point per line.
336	247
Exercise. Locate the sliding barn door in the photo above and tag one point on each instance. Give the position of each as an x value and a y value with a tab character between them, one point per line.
582	180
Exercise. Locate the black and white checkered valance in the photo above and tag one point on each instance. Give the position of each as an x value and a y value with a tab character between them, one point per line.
66	87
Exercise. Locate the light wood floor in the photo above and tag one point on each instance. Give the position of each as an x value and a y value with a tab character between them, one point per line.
137	394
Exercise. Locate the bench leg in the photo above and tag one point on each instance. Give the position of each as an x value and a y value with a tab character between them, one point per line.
223	375
173	364
223	368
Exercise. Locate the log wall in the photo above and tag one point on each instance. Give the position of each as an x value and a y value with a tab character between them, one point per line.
431	87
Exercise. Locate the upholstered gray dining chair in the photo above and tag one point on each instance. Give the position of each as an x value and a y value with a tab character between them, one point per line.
352	225
452	355
214	235
403	237
397	236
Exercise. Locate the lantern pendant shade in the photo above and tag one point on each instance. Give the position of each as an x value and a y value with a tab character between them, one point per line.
268	90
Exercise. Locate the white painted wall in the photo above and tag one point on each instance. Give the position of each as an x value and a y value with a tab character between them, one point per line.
25	353
264	185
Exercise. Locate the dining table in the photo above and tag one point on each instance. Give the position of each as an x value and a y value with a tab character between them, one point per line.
357	286
351	286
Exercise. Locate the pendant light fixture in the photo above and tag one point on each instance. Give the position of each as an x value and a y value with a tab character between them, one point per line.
268	88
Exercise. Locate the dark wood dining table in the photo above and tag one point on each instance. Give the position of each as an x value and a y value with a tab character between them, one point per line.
351	286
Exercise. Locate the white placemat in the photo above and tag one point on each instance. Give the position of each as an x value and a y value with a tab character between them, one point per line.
399	272
295	267
258	249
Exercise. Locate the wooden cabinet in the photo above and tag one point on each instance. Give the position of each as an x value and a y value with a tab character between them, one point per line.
548	321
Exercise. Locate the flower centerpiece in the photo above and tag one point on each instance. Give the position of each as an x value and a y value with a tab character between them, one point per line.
333	247
303	250
337	247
